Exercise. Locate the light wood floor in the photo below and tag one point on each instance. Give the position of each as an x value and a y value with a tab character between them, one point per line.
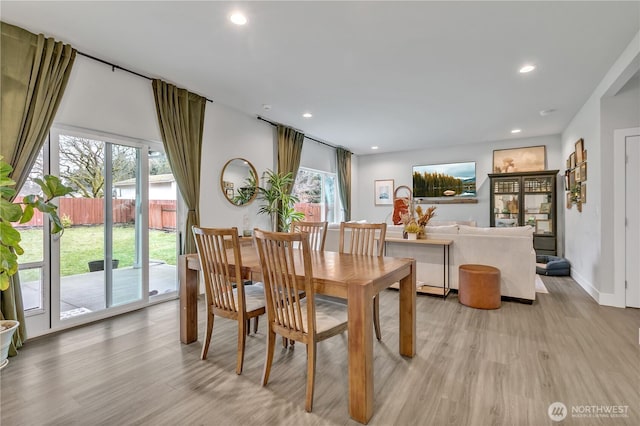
473	367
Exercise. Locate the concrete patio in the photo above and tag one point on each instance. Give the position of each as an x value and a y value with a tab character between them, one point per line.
85	293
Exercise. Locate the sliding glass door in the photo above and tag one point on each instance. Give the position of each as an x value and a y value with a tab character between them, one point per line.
101	265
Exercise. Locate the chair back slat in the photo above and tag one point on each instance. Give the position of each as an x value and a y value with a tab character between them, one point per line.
283	289
317	233
364	238
219	276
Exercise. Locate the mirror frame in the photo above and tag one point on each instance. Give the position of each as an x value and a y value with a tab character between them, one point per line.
252	169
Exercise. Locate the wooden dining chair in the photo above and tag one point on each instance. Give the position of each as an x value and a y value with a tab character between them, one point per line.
317	233
226	294
365	239
307	320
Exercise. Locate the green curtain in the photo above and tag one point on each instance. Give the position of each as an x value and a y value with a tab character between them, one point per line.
289	152
181	119
35	71
343	158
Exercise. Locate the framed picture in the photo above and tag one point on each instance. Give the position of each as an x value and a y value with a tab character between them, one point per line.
545	208
569	203
529	159
543	226
383	192
577	173
583	172
572	178
572	160
579	151
583	193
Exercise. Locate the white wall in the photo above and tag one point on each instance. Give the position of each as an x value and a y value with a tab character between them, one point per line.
117	102
398	166
589	235
231	134
121	103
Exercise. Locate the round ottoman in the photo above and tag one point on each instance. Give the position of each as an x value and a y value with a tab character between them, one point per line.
479	286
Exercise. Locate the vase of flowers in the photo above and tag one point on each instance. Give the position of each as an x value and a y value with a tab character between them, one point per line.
412	229
423	218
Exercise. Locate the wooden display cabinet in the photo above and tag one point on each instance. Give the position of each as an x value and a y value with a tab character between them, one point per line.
527	198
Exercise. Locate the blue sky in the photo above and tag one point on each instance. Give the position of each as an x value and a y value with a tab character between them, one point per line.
459	170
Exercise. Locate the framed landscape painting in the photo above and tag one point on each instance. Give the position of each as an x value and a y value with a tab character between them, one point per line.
528	159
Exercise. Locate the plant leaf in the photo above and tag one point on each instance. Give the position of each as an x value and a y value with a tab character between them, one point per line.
8	235
4	281
56	187
28	214
45	189
9	211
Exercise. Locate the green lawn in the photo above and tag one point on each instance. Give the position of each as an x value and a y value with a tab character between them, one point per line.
82	244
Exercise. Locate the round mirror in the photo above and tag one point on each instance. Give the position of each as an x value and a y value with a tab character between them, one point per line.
239	182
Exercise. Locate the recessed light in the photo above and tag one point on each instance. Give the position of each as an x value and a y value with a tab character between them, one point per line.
374	147
238	18
527	68
307	115
516	130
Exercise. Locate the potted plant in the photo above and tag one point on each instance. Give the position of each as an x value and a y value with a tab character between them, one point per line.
412	229
10	249
278	201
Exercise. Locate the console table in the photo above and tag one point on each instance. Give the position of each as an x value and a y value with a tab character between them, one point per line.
415	245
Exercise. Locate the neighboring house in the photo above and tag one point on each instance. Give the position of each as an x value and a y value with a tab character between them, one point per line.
161	187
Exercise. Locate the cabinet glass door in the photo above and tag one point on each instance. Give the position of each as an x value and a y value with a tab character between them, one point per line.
538	204
506	202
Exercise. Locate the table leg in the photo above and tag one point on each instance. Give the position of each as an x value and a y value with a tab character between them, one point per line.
360	308
188	301
408	313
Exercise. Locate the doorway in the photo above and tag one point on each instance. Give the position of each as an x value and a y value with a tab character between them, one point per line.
632	234
119	248
626	219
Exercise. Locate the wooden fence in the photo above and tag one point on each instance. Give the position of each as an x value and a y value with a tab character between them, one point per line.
312	212
90	211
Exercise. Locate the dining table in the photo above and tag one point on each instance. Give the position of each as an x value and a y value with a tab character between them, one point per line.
356	278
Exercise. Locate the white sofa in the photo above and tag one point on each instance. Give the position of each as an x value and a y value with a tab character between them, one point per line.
508	249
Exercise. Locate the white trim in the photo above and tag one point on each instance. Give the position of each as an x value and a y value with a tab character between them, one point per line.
619	201
51	313
586	285
604	299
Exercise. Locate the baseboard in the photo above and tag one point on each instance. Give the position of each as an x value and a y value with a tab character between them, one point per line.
506	298
585	284
610	299
604	299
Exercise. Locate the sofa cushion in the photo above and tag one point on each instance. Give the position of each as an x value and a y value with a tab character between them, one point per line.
446	229
524	231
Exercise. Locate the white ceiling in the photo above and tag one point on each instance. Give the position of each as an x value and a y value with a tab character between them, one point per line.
400	75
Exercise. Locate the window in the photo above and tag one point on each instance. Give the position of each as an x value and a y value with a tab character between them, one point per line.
318	195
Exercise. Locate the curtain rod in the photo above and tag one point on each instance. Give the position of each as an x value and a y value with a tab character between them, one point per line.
114	67
307	137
